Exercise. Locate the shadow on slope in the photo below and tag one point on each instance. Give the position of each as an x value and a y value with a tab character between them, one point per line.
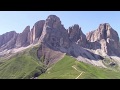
75	50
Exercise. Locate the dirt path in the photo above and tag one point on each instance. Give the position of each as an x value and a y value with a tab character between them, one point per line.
79	75
81	72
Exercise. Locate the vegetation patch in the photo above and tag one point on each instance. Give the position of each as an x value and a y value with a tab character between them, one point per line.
23	65
64	70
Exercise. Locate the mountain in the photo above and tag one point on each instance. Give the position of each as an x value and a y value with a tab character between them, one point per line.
22	39
36	31
8	40
100	47
77	36
108	39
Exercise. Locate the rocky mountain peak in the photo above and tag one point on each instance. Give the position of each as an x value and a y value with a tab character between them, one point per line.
107	37
7	40
104	31
6	37
54	34
22	39
104	26
54	37
36	31
53	21
27	29
53	17
76	26
76	35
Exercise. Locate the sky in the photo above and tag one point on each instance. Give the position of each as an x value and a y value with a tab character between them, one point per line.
87	20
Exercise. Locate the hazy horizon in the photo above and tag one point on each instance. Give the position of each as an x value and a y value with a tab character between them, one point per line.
87	20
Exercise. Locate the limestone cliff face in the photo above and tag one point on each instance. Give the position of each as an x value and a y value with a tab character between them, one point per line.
104	31
54	34
107	37
22	39
77	36
8	40
55	40
36	31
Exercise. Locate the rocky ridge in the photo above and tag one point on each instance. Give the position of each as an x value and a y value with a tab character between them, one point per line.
107	38
56	41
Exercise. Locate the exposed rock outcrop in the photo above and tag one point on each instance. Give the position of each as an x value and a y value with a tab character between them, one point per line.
77	36
104	31
55	38
36	31
107	37
49	56
54	34
55	41
8	40
22	39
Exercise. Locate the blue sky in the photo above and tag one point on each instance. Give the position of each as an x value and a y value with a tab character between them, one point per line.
87	20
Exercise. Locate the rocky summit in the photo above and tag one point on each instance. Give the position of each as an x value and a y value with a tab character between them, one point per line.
107	38
77	36
22	39
54	34
8	40
36	31
55	41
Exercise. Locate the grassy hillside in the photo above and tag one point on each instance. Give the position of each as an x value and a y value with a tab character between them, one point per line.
23	65
69	68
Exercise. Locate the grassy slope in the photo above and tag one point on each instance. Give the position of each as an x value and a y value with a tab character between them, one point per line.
64	70
26	65
23	65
